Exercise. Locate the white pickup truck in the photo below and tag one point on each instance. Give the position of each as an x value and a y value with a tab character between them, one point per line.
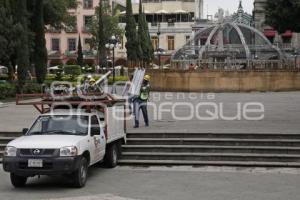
66	142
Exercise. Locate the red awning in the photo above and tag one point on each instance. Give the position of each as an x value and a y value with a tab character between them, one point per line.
269	33
287	34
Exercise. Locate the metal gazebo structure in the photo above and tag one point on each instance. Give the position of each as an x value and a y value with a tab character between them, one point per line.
228	45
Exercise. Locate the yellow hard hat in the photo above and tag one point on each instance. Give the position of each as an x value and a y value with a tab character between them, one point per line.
92	80
147	78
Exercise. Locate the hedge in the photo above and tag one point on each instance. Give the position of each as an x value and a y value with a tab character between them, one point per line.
72	70
8	90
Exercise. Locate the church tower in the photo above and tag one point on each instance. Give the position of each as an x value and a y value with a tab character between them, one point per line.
259	14
198	9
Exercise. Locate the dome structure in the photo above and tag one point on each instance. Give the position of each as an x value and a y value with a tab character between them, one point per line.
228	42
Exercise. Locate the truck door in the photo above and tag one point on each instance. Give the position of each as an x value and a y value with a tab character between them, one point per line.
97	140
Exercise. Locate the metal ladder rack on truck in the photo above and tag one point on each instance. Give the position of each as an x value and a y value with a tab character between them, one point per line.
71	134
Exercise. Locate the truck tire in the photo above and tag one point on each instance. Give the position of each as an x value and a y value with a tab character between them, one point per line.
111	156
80	175
18	181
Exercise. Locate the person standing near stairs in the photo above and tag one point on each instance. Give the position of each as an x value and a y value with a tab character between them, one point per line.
141	102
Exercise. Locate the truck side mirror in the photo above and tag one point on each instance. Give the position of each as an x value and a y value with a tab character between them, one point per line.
25	130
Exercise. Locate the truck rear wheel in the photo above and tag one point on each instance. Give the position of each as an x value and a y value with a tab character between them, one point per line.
111	156
80	175
18	181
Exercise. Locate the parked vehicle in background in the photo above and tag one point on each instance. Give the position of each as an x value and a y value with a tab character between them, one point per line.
3	70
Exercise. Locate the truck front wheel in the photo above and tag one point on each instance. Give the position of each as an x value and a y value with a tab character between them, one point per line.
111	156
17	181
80	175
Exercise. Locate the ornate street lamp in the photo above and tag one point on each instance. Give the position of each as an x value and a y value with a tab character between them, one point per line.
111	45
158	50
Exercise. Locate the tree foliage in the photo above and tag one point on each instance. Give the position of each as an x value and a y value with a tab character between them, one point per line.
79	52
8	36
55	12
283	15
132	45
40	51
105	25
146	51
22	50
22	25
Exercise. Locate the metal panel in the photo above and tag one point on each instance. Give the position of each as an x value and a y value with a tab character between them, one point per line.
137	81
115	123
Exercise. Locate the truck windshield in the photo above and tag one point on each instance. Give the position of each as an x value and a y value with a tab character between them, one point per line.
60	125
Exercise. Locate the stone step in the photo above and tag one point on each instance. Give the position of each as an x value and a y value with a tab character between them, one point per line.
10	134
211	148
135	162
215	135
211	157
213	141
2	147
6	139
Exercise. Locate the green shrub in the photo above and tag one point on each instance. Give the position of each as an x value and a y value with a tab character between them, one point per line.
50	77
3	76
88	69
7	90
72	70
71	62
117	78
31	88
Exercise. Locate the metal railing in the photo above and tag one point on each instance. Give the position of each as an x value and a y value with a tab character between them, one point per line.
235	65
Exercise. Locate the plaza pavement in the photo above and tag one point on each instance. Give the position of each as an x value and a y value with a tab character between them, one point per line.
281	113
184	183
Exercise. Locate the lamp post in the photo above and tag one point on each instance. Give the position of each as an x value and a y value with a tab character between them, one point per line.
158	50
111	45
296	57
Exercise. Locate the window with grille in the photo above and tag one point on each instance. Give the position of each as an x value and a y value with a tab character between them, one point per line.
87	22
171	43
87	4
55	44
72	44
87	43
154	40
187	38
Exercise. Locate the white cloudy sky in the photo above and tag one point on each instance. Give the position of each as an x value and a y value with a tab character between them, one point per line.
230	5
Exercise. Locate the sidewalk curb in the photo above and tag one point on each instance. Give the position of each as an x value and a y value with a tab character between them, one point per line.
3	105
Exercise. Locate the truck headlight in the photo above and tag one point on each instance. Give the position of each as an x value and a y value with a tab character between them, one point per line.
68	151
10	151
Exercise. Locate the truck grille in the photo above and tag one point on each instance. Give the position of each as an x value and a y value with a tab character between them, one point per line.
39	152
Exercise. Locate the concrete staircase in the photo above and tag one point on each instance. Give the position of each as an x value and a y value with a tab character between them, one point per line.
212	149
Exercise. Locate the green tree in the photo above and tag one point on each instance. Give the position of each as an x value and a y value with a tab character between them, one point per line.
22	50
79	53
56	12
283	15
40	51
131	34
8	35
144	38
102	28
101	37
